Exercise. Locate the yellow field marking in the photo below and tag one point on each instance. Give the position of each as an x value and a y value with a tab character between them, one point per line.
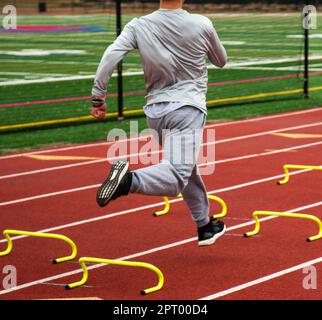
67	120
222	214
262	95
288	215
287	167
60	158
83	260
140	111
298	135
71	243
42	123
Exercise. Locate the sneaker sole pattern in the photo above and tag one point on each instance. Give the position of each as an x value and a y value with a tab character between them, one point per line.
107	189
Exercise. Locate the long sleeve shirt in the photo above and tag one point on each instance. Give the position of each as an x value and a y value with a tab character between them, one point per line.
173	46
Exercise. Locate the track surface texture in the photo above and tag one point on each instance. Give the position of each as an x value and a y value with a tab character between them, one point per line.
57	195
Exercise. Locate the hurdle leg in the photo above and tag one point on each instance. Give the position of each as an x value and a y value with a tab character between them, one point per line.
83	260
7	234
288	167
288	215
222	214
257	226
84	278
223	204
165	210
9	245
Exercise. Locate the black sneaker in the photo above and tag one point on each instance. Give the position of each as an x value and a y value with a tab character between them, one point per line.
209	233
117	184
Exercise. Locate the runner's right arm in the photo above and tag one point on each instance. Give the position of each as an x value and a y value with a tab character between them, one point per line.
124	43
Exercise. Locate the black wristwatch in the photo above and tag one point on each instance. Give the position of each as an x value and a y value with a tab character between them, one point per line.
97	103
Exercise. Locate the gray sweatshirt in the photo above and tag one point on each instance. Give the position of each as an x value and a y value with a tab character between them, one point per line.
173	46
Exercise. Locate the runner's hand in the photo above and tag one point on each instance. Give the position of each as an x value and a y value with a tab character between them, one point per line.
98	108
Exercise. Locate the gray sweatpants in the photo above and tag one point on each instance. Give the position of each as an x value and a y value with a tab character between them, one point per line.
180	134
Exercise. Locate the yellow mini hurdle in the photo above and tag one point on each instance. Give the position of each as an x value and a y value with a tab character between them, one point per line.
222	214
288	167
288	215
7	234
83	260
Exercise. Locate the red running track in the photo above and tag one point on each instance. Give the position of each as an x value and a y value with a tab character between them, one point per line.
59	196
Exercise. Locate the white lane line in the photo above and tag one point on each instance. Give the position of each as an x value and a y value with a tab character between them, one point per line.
78	164
263	118
264	133
158	204
46	195
142	253
262	154
56	193
261	280
220	124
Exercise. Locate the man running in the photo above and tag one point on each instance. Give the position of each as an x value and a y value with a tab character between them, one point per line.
173	46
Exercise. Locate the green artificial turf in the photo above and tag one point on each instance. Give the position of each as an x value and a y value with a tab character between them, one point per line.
255	43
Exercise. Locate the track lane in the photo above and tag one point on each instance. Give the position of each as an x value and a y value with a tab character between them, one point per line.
238	199
52	181
233	260
67	208
290	287
244	127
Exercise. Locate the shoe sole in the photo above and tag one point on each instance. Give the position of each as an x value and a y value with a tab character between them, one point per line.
212	240
109	186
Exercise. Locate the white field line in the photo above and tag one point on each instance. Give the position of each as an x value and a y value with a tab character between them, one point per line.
84	77
220	124
7	73
254	135
293	68
45	80
254	16
158	204
263	279
316	65
142	253
50	62
265	61
67	78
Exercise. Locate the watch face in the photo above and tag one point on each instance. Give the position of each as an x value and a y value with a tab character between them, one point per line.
97	103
